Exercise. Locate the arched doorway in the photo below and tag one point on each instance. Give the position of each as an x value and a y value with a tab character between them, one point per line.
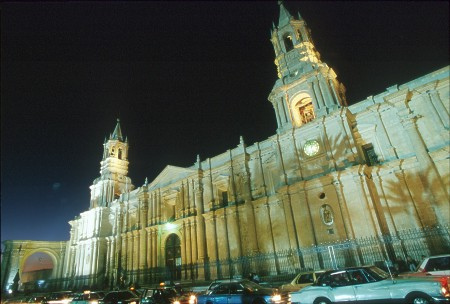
36	272
173	256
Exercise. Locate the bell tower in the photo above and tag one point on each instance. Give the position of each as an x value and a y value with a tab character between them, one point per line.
113	179
307	88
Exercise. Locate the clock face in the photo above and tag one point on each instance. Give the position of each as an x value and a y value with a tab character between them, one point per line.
311	147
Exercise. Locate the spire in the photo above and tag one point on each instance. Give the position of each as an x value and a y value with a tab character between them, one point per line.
285	17
117	134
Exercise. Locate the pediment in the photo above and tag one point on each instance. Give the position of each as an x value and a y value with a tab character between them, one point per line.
170	175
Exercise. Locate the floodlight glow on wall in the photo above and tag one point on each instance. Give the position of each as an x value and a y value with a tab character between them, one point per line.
170	226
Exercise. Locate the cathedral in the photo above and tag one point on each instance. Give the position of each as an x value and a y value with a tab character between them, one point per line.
332	176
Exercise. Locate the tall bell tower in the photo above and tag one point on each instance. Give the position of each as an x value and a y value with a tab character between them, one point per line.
113	179
307	88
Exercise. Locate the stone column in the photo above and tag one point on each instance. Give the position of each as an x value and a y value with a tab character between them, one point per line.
290	223
277	114
232	232
373	227
441	110
155	236
318	94
252	235
142	249
325	91
188	247
211	242
346	219
194	241
136	242
184	244
314	98
423	214
428	173
200	224
149	249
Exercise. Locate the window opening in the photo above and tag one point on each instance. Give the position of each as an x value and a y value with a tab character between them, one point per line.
288	44
225	198
370	155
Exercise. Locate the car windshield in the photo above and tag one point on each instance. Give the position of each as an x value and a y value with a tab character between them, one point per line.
352	276
124	295
251	285
377	273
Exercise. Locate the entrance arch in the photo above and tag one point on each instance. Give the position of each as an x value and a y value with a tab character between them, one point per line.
16	253
37	269
173	256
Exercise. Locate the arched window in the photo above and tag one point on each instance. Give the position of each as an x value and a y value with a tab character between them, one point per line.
120	153
288	43
302	111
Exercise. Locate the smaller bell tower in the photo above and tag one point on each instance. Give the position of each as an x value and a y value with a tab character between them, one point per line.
307	88
113	179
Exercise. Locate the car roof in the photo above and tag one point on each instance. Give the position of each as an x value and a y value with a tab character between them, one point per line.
438	256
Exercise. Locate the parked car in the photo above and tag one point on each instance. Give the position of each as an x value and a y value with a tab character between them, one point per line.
302	280
370	284
61	297
37	299
88	297
435	265
120	297
157	295
243	292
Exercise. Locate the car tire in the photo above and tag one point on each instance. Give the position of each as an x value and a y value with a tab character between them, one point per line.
321	301
419	298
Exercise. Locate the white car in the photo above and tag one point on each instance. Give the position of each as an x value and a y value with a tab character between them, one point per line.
302	280
437	265
370	284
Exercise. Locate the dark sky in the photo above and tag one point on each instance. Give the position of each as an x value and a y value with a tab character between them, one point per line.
185	78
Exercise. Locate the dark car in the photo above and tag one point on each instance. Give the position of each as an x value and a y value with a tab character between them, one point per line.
37	299
241	292
89	297
157	295
60	297
120	297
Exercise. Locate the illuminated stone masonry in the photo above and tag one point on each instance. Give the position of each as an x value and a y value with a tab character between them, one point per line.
331	173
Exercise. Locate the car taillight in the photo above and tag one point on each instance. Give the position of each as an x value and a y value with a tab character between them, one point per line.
444	286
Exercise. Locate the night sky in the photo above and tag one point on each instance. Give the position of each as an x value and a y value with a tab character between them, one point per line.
185	78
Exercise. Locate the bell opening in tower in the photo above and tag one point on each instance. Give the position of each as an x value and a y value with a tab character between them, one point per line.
303	112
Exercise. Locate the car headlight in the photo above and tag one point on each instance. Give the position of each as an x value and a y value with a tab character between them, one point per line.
276	298
192	299
93	302
176	302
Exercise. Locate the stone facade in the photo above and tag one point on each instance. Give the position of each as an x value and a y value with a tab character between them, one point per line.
331	172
